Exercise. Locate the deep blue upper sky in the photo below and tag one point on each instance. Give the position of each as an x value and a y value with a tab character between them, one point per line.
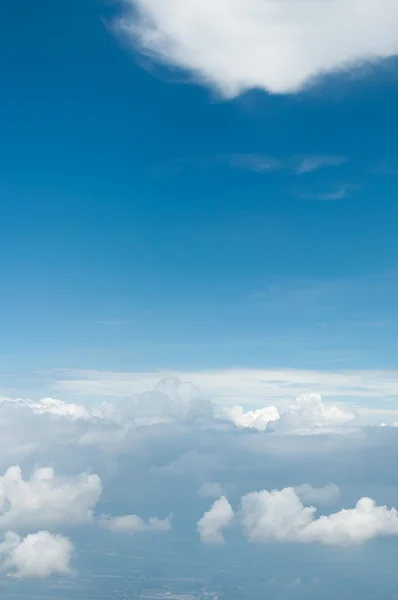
131	238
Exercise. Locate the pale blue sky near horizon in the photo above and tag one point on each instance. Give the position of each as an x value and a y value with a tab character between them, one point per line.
146	223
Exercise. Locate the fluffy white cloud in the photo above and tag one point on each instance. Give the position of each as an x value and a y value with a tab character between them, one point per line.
323	496
56	407
254	419
130	524
210	490
36	555
308	412
280	515
214	521
353	526
45	500
49	406
278	46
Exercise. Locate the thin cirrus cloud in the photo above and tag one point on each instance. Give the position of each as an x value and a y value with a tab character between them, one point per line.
261	163
339	193
232	46
234	386
257	162
311	163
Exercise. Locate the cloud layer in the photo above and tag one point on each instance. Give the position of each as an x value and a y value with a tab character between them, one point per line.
233	386
168	450
281	47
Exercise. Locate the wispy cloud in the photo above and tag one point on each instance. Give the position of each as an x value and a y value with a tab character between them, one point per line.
309	164
258	162
339	193
233	386
298	165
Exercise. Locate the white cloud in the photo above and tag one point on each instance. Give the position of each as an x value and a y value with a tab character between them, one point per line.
179	400
56	407
129	524
274	516
253	419
309	412
49	406
170	400
353	526
279	46
210	490
45	500
37	555
280	515
323	496
214	521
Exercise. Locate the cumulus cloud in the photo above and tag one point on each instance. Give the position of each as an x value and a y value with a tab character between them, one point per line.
308	412
214	521
322	496
253	419
36	555
210	490
170	400
281	47
280	516
129	524
174	401
56	407
45	500
49	406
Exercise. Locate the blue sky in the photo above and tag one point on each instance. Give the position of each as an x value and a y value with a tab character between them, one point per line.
198	267
148	222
